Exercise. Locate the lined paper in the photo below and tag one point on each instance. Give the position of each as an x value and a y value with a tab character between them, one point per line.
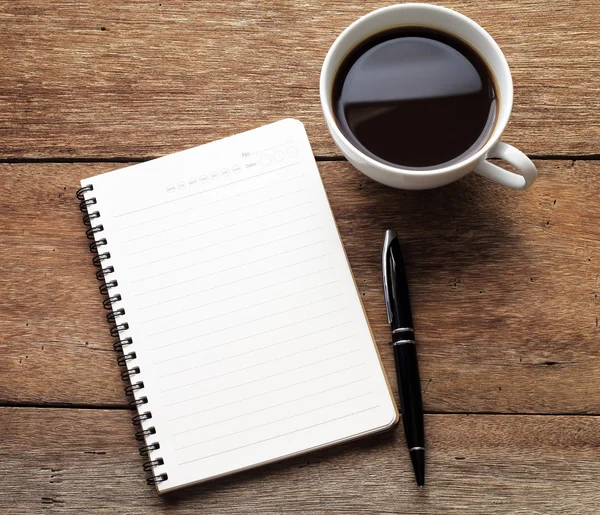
248	331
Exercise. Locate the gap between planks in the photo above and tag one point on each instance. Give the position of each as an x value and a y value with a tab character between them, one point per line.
83	406
125	160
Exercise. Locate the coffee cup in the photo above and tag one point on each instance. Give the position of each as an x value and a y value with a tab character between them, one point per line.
458	26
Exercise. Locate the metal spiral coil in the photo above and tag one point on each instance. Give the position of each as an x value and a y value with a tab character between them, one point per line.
140	436
95	244
136	403
118	345
107	303
104	287
140	417
128	372
83	205
103	272
155	480
145	450
133	387
87	219
149	465
82	191
113	315
94	230
116	329
98	258
122	360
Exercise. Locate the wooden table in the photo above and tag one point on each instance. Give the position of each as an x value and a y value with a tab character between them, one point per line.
506	285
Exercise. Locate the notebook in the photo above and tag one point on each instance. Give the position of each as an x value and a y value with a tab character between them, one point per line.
241	328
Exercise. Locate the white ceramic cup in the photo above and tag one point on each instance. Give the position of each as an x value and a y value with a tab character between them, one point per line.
449	21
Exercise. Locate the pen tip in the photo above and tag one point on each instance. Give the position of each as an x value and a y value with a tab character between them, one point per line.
421	488
418	462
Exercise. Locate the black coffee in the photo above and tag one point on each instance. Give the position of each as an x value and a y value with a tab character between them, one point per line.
415	98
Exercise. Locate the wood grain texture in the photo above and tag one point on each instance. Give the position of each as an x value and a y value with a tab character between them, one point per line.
505	287
109	79
86	461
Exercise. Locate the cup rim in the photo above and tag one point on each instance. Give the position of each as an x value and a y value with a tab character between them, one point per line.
504	105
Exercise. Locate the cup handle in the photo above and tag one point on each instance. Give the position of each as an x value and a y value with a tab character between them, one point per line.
516	158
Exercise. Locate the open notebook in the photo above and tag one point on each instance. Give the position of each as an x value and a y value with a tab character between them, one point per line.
242	330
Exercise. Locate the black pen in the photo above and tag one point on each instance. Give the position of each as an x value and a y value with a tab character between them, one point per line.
399	315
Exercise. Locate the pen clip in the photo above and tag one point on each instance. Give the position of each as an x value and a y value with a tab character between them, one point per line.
389	237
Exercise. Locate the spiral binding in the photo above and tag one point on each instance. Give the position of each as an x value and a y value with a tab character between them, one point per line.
114	317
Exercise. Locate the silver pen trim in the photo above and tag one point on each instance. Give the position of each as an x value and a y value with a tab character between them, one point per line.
416	449
403	329
387	241
402	342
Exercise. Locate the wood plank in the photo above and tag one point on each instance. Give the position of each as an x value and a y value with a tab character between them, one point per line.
505	285
86	461
107	78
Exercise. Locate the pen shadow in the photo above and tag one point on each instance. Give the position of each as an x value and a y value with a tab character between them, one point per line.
289	477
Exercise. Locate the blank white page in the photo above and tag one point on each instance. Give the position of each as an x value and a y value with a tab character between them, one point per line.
247	327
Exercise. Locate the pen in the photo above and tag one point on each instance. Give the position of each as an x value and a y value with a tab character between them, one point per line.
399	314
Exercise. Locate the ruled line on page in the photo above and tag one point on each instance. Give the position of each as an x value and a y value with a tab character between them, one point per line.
271	406
221	285
280	435
270	315
282	419
324	360
245	235
196	322
201	206
170	201
237	223
238	251
224	284
260	394
303	351
246	353
235	340
277	283
243	208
